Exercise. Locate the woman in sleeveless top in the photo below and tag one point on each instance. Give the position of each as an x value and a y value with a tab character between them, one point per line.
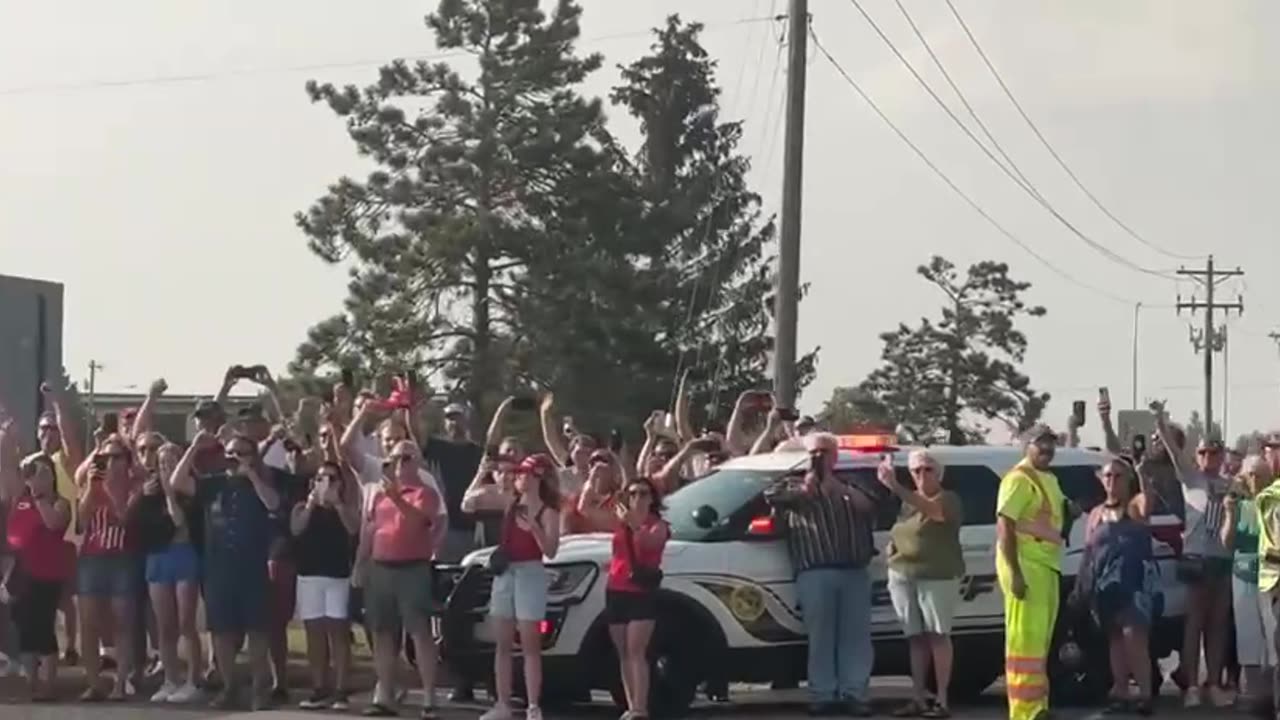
36	523
1118	582
518	600
631	592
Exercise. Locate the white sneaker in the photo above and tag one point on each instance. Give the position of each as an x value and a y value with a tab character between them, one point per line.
186	694
533	713
165	693
498	712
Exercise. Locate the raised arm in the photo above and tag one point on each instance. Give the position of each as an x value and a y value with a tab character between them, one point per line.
551	435
183	480
735	438
1109	429
684	421
68	428
1166	436
229	381
493	438
142	423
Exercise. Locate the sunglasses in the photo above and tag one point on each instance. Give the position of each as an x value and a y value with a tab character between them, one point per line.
1112	475
1202	452
328	477
43	428
239	454
922	470
393	459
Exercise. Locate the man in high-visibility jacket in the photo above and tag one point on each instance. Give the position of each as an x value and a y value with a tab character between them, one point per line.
1029	520
1267	503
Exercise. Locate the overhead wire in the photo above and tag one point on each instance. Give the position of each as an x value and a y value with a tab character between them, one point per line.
946	179
942	68
1025	187
306	67
1062	163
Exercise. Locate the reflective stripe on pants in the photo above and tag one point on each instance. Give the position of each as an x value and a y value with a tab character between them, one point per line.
1028	633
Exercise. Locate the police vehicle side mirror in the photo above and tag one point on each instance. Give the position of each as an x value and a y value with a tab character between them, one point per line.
705	517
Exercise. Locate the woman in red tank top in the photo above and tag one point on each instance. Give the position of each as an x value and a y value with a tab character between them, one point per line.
36	524
631	593
518	599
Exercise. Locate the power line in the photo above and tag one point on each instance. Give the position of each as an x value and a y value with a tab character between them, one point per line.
960	94
243	72
951	184
973	40
1025	187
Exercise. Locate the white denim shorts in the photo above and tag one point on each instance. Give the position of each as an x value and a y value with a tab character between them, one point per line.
924	606
520	593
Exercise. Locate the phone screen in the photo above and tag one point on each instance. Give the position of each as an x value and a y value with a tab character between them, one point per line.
110	423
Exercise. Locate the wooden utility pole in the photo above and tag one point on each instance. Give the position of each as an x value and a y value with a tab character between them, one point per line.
788	281
1208	339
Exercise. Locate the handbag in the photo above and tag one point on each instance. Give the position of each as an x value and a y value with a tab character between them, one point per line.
1191	569
644	577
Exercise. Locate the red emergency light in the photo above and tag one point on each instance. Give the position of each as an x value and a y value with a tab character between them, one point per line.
878	442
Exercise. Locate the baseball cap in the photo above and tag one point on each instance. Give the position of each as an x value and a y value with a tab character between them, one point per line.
208	409
1214	444
455	409
1041	432
252	411
540	465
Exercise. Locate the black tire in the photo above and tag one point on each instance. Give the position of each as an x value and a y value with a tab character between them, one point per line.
1084	682
676	667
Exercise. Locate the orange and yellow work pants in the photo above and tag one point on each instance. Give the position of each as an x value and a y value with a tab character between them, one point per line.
1028	633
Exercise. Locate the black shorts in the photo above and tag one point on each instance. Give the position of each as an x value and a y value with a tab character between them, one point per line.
622	607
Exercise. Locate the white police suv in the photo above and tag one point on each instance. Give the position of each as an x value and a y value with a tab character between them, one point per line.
728	609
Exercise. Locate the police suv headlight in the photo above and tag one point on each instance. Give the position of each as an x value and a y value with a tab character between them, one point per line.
570	581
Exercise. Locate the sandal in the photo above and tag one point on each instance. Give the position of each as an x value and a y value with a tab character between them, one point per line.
915	708
93	695
428	713
936	710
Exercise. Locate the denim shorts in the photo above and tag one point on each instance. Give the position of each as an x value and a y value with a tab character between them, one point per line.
112	575
177	563
520	593
923	605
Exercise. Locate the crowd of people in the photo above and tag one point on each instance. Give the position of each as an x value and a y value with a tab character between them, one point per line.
165	560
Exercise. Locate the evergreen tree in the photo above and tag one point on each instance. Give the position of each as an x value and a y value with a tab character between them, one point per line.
469	175
938	376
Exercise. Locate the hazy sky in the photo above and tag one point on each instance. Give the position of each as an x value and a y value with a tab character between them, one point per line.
152	154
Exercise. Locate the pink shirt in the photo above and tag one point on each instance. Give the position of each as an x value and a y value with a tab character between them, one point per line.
398	537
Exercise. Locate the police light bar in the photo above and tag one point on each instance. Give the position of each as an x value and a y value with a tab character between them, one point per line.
867	443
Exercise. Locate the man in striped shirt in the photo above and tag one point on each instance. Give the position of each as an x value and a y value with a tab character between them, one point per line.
829	528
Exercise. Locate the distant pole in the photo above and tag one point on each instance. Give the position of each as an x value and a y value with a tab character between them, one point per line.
94	367
1209	340
1137	308
787	298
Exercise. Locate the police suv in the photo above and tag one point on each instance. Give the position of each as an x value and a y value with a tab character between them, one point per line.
728	607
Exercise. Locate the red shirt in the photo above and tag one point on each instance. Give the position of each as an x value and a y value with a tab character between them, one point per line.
398	537
40	551
519	543
648	543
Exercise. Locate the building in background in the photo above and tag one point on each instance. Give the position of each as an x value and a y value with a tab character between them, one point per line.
30	345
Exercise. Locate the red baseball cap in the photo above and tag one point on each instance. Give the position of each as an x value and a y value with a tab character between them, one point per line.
540	465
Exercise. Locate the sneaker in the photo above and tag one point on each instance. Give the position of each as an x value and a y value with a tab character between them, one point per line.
318	700
1191	699
224	700
1221	697
71	657
188	693
533	713
165	693
498	712
341	701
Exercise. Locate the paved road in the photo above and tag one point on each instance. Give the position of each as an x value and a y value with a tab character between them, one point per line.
761	705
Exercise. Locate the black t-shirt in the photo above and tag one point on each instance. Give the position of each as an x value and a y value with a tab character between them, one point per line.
454	464
324	547
151	519
292	489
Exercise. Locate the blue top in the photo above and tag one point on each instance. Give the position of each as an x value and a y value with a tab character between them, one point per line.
238	528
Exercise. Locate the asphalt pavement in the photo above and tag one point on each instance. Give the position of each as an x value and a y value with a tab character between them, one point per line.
748	703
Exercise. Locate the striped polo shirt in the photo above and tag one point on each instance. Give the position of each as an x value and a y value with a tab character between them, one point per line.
824	530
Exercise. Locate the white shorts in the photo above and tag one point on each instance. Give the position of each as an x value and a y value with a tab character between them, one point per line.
323	597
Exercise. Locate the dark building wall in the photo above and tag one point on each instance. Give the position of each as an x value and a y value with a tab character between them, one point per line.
30	344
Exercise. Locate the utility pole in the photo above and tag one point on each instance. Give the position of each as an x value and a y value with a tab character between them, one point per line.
94	367
788	282
1209	340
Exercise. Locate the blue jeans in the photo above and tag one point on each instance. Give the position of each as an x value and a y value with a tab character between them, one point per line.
836	606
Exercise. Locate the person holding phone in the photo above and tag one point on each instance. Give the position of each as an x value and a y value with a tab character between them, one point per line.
240	509
107	574
32	586
518	601
926	563
829	536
